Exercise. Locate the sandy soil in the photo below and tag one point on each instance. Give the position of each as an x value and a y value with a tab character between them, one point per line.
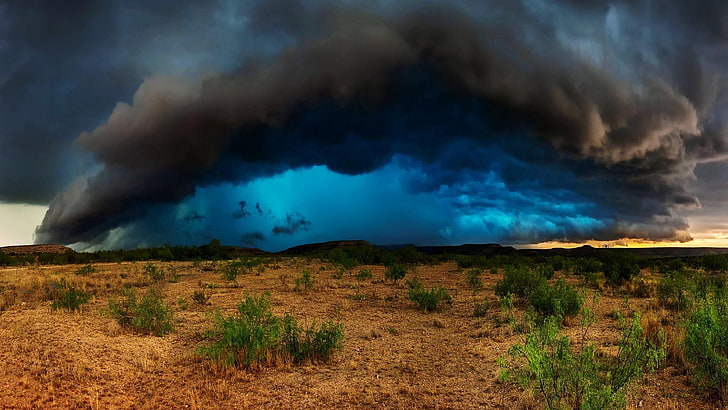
394	356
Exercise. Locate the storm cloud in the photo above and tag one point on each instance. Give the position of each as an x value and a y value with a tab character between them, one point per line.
587	117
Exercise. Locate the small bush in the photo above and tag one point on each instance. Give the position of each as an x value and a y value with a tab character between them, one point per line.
67	296
545	271
518	281
148	315
364	274
425	299
620	267
304	282
472	278
255	336
200	297
313	343
673	291
85	270
395	272
481	309
706	343
155	273
560	299
578	376
231	270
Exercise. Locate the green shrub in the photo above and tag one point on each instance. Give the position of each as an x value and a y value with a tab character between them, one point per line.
472	278
673	291
148	315
425	299
312	343
518	281
481	309
545	271
395	272
305	281
66	296
255	336
231	270
620	267
85	270
560	299
364	274
155	273
706	343
578	376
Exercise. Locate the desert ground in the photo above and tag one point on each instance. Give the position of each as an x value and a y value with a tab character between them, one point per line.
393	356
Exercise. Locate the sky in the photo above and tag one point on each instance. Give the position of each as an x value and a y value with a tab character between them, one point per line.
279	122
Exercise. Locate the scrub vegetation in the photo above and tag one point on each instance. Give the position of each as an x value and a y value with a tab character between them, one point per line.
358	326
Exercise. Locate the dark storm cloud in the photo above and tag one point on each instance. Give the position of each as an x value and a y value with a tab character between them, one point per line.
241	212
294	223
252	238
64	65
619	94
194	217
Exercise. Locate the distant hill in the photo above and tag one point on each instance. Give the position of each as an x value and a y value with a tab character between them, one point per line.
35	249
486	249
236	251
493	249
313	248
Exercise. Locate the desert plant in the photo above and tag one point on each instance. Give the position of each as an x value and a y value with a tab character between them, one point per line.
518	281
545	271
231	270
472	278
200	297
155	273
304	282
620	267
255	336
578	375
706	343
150	314
426	299
395	272
673	291
66	296
312	343
364	274
481	309
559	299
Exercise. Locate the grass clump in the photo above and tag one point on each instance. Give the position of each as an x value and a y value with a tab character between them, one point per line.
427	299
255	336
395	272
577	376
304	282
66	296
364	274
472	279
148	314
